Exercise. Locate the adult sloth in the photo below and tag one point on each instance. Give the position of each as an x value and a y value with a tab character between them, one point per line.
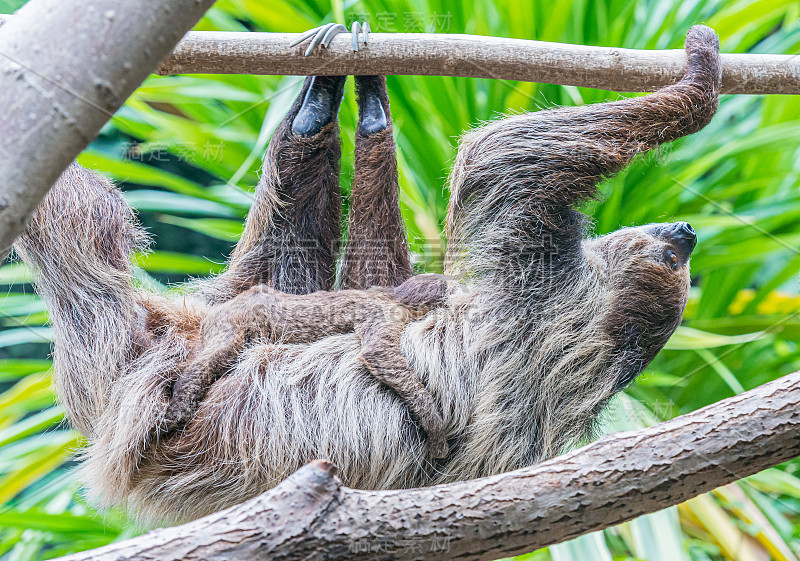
547	325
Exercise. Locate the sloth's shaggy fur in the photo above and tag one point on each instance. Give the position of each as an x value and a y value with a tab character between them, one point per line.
378	316
546	327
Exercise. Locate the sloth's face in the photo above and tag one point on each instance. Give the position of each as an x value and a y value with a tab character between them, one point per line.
662	250
645	271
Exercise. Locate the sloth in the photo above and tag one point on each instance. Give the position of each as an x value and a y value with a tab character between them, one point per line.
545	325
377	316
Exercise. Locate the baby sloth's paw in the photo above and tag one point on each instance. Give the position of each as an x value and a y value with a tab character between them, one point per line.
431	422
176	414
437	446
324	34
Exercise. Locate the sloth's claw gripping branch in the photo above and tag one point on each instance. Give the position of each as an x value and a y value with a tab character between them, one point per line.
324	34
357	28
306	35
331	33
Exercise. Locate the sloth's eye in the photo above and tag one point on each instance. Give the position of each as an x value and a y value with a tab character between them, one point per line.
672	259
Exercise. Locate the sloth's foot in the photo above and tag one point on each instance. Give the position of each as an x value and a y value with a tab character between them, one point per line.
372	116
437	445
324	34
431	421
320	105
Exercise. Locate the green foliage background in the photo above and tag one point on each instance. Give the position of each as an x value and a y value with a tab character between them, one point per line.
187	151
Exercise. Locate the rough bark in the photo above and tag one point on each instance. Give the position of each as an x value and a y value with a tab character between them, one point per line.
439	54
65	67
622	476
474	56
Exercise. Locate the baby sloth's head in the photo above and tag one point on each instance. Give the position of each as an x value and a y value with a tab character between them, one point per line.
644	272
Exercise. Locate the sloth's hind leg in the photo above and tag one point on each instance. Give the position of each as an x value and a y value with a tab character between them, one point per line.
377	251
292	231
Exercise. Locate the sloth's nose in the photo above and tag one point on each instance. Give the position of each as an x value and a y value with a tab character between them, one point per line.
683	236
685	229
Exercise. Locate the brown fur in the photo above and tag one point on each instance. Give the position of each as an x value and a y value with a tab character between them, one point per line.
378	316
376	252
545	327
292	232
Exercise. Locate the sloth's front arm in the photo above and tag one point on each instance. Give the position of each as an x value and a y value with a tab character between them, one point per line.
516	181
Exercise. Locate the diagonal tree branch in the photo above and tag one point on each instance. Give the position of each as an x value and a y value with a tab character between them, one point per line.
622	476
65	67
475	56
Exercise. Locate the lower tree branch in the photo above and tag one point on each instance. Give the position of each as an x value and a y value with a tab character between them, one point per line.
475	56
622	476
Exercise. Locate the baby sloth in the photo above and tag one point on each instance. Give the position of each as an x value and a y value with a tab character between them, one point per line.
378	316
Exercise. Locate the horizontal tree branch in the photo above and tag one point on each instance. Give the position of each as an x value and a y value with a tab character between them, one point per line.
622	476
474	56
